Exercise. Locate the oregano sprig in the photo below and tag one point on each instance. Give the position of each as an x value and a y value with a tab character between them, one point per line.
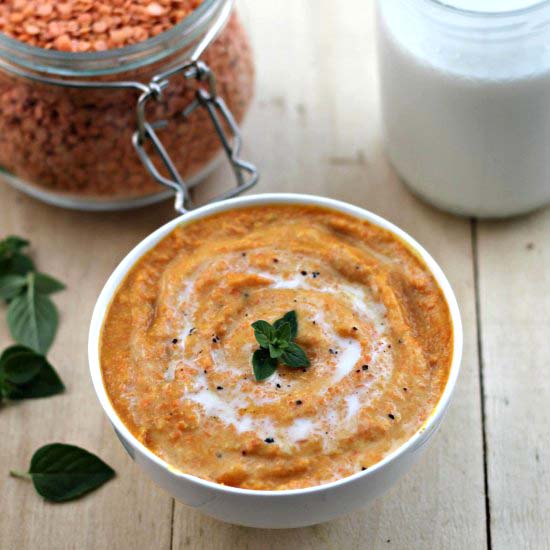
58	471
32	316
277	345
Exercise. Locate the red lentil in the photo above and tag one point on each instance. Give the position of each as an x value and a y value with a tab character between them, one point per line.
78	142
80	25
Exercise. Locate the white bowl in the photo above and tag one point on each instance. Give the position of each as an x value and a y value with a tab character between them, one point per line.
274	509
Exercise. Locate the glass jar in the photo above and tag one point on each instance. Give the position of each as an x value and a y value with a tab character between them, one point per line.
68	120
465	100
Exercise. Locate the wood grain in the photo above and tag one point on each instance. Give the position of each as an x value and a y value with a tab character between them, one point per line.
129	512
514	278
314	128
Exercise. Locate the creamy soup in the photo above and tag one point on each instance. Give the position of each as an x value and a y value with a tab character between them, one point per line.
177	345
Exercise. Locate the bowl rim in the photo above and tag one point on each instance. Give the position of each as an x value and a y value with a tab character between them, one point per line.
120	272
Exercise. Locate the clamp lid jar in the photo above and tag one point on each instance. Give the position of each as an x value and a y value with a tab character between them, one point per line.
100	130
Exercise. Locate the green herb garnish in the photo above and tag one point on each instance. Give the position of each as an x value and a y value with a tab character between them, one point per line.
277	345
12	259
63	472
25	374
32	316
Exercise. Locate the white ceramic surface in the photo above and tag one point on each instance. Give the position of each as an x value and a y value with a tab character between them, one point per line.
274	509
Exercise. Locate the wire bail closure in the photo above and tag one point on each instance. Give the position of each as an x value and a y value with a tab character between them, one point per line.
245	173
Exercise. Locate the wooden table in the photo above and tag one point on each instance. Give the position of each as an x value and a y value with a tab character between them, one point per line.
314	128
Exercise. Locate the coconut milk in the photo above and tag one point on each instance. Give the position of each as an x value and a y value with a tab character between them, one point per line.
466	101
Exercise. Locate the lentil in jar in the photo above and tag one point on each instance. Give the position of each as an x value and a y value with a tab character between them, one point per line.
77	142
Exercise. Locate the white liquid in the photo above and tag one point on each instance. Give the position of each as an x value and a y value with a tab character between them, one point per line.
492	6
467	120
230	406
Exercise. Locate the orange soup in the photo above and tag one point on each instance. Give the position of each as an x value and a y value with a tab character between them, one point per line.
177	346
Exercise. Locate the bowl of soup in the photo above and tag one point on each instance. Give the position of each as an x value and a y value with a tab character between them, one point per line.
175	337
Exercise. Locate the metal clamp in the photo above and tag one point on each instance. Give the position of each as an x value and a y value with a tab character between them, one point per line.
246	174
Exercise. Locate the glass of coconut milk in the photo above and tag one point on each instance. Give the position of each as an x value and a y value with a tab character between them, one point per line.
465	92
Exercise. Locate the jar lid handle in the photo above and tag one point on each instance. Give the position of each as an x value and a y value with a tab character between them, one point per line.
246	174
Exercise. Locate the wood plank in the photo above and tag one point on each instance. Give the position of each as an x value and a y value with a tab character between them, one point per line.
129	512
315	129
515	321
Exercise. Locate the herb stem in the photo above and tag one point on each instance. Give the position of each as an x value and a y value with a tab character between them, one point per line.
20	475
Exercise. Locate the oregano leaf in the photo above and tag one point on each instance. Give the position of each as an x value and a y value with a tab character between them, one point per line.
263	332
275	351
62	472
11	286
32	318
263	365
20	368
283	332
25	374
45	284
294	356
291	318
